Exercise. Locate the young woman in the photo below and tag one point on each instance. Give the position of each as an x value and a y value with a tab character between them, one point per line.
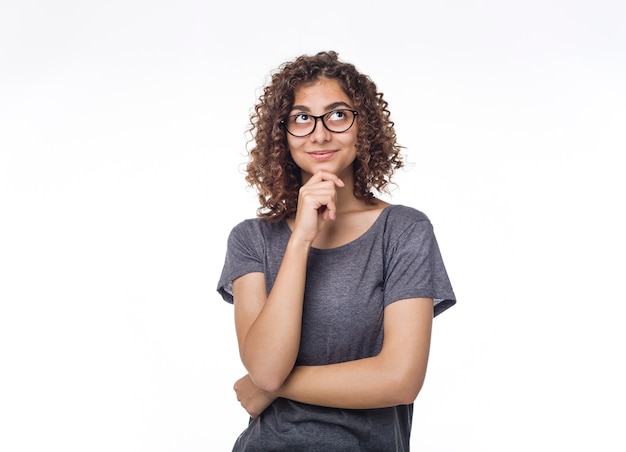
334	290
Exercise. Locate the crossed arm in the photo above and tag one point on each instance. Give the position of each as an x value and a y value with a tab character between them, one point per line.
269	326
268	329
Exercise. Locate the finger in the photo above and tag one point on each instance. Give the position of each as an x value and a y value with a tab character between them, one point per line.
328	209
322	175
320	194
331	211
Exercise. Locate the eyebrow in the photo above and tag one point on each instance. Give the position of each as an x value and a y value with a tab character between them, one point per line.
330	107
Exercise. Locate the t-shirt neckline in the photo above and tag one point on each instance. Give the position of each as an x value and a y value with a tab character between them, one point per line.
351	243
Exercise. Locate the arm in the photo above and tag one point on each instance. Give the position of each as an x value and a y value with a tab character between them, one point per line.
393	377
268	327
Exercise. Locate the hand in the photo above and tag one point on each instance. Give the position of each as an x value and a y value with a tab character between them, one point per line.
253	399
316	204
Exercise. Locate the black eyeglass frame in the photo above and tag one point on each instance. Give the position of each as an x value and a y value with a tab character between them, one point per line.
283	122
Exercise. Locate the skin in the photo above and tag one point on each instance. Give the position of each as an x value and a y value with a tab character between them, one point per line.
268	327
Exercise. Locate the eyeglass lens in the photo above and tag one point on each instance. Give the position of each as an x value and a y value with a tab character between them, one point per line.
303	124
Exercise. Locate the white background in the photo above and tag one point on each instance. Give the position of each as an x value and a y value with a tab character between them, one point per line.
121	144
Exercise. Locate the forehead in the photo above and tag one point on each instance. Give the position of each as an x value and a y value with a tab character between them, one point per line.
320	93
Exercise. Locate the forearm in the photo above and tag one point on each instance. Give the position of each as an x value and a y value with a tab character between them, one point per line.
393	377
366	383
271	344
358	384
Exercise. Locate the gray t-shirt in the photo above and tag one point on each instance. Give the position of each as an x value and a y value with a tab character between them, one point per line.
347	289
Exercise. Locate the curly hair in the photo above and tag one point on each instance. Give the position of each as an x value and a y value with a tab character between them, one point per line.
271	169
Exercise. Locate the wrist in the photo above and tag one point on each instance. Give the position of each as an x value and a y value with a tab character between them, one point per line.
297	243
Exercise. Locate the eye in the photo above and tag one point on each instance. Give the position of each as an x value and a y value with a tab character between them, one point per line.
336	115
301	118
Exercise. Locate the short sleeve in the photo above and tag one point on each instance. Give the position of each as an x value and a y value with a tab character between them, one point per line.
242	256
414	265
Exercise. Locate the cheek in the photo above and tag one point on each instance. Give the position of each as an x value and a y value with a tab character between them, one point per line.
354	135
291	143
293	148
351	142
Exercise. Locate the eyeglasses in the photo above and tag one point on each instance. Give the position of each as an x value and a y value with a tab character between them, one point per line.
302	124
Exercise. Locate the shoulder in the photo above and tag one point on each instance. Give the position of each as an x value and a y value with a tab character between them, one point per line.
254	229
404	223
400	216
253	225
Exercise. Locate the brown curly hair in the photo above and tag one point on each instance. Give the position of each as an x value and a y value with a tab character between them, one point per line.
271	169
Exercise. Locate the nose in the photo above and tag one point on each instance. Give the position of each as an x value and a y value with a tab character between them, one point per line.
320	132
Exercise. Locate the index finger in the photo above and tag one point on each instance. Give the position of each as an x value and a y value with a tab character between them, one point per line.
322	175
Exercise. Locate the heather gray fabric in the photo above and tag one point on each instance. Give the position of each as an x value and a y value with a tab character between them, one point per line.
346	291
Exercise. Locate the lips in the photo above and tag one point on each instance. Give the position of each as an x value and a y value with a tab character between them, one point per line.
321	155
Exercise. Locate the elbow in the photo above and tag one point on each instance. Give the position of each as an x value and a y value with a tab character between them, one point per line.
266	374
271	386
408	393
408	387
405	376
267	381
